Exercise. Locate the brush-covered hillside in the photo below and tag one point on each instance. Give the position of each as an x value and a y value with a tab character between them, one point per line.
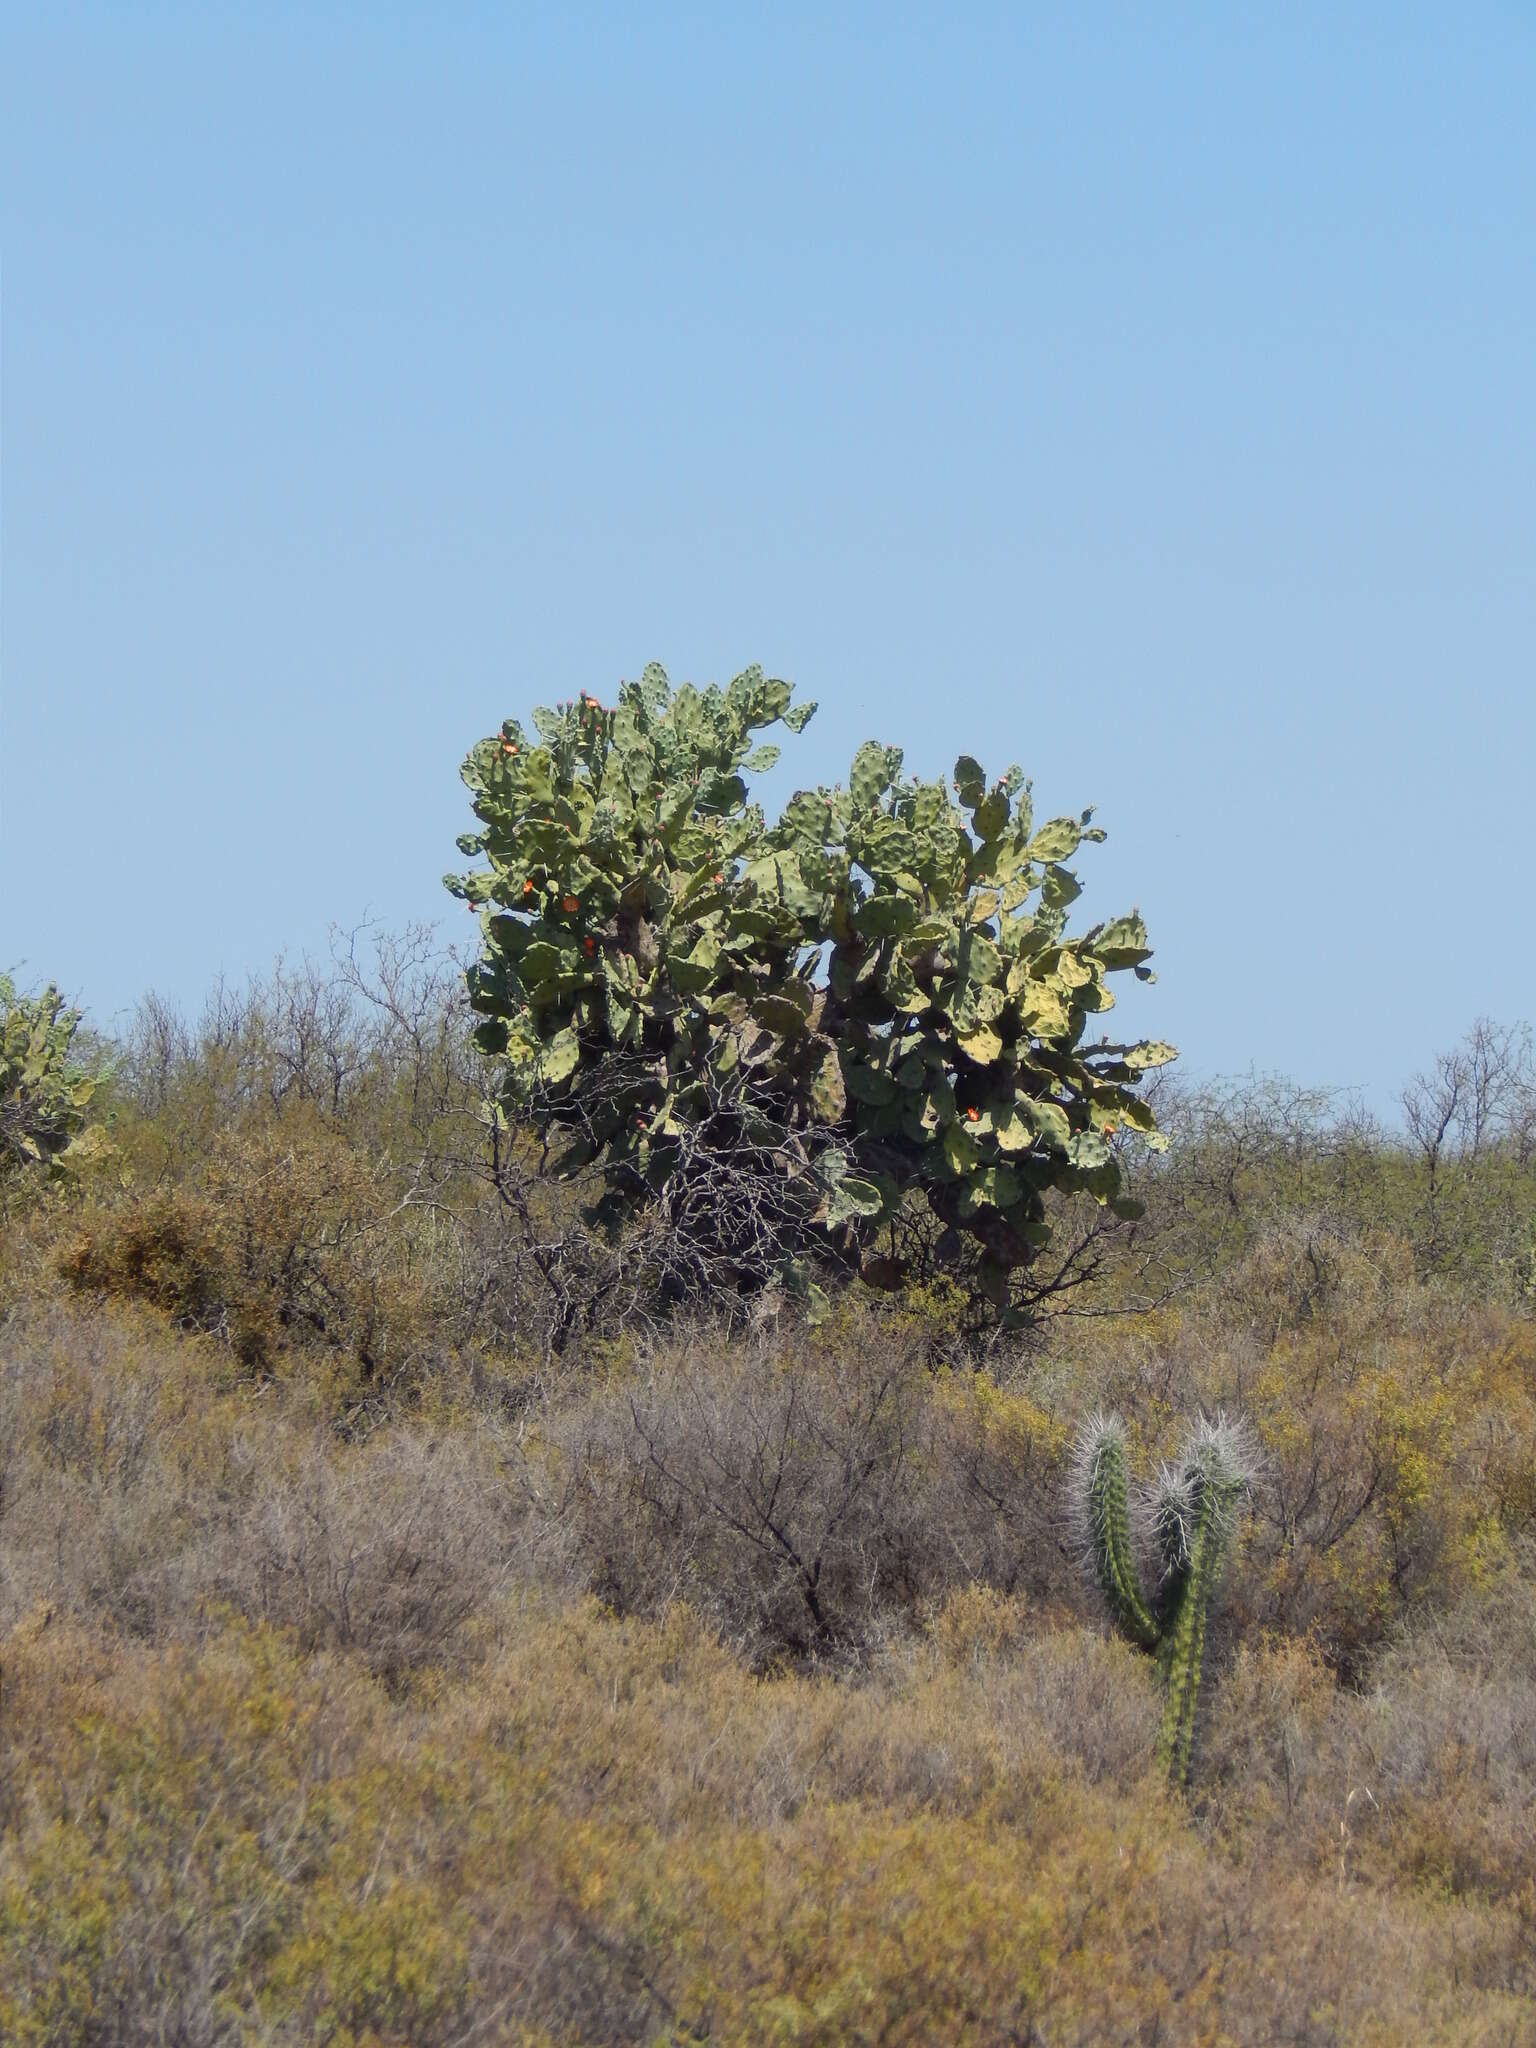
420	1626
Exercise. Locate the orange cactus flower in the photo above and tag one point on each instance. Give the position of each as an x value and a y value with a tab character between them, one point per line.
1109	1130
569	904
974	1115
527	888
719	878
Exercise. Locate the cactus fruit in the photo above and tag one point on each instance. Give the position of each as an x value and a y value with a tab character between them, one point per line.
886	969
1189	1519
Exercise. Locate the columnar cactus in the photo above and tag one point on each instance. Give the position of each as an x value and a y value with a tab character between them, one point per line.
1189	1518
883	973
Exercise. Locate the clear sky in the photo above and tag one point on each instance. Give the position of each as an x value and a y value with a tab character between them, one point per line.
1145	395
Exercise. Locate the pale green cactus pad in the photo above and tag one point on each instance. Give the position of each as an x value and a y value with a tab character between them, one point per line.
885	971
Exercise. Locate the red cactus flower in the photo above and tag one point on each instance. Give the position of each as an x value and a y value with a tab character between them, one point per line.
570	904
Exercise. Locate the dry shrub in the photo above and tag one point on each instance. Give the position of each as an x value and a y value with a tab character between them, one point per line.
176	1822
286	1238
157	1249
136	1497
803	1497
1426	1778
1397	1426
809	1493
1399	1433
612	1834
704	1740
1093	1695
1449	1741
1310	1269
303	1738
308	1734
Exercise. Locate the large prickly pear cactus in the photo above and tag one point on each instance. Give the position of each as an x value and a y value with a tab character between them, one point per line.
1189	1518
43	1092
875	995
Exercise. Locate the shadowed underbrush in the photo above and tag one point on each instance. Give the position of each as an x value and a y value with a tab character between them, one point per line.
400	1644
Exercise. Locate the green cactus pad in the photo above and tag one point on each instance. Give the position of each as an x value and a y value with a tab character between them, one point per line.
884	971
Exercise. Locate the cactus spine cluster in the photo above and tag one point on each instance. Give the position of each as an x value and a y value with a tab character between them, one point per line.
1190	1518
884	973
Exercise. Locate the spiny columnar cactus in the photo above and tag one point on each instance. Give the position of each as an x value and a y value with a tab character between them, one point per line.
1189	1518
877	991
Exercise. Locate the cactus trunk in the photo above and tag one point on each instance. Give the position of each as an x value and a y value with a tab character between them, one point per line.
1193	1514
1114	1560
1182	1651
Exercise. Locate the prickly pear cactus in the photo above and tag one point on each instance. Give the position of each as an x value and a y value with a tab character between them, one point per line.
1188	1519
882	977
43	1093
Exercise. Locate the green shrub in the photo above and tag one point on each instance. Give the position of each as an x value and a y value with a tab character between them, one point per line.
44	1091
776	1036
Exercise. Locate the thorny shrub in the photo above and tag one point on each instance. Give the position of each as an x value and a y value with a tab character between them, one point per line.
610	1834
311	1726
805	1495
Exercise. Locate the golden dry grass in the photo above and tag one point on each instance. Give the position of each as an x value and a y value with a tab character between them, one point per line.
310	1739
374	1672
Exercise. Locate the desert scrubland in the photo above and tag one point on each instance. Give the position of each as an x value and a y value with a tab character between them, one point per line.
407	1635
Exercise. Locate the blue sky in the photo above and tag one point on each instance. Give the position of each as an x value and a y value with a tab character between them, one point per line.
1145	396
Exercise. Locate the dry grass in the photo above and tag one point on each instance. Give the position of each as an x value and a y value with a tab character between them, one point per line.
143	1498
610	1832
374	1672
308	1738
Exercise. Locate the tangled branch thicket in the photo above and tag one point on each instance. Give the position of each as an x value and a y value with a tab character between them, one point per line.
424	1617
